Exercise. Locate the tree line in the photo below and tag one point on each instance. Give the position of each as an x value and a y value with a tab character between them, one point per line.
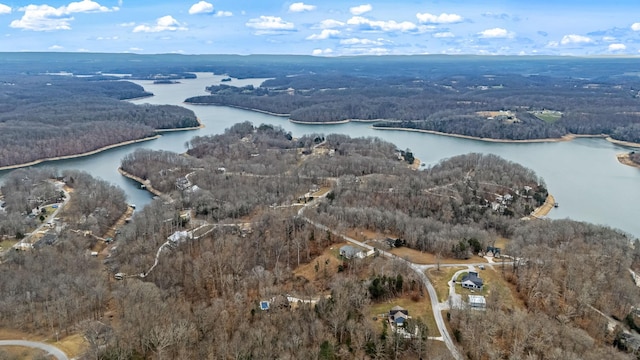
52	116
450	104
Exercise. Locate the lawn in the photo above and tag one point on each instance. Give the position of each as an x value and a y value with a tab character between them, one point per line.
494	284
417	309
7	244
548	116
419	257
440	280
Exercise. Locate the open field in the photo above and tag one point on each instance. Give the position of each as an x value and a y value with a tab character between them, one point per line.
418	257
440	280
417	309
547	116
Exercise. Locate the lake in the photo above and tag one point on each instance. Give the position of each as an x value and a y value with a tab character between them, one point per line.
583	175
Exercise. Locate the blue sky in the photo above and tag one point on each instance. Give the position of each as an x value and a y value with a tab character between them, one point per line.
324	27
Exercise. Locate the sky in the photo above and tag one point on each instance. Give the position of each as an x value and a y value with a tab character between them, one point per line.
324	27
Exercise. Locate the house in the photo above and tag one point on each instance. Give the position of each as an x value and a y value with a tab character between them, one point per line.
264	305
183	183
493	251
472	281
477	302
398	316
350	252
179	237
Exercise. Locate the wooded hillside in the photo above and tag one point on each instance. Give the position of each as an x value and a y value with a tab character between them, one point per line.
51	116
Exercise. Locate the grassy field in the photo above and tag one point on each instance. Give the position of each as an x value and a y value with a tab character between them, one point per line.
7	244
417	309
418	257
440	280
548	116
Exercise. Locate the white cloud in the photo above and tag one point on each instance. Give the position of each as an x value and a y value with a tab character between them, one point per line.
135	49
617	47
301	7
55	47
445	34
221	13
443	18
270	25
330	24
380	25
575	39
49	18
129	24
359	10
87	6
201	7
4	9
318	52
495	33
324	34
165	23
635	26
362	42
608	38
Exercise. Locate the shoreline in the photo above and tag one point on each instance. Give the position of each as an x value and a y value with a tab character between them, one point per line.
624	159
542	210
200	126
241	108
66	157
337	122
142	182
622	143
567	137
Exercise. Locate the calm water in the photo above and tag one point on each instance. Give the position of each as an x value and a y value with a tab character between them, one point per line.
583	175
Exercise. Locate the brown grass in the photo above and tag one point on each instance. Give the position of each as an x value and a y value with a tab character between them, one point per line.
417	309
440	280
73	345
22	353
418	257
501	242
327	264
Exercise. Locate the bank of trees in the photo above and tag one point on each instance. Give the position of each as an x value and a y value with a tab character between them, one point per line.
571	274
52	116
450	103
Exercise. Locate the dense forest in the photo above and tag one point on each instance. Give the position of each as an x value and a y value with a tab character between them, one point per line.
51	116
509	106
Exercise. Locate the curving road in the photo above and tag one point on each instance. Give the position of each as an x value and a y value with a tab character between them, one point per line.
435	305
50	349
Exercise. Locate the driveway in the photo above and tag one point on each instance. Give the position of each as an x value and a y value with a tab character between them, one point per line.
50	349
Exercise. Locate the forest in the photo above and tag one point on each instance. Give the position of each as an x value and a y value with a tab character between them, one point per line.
505	106
256	214
51	116
251	238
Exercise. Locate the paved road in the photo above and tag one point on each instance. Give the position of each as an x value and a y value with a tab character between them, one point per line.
50	349
435	305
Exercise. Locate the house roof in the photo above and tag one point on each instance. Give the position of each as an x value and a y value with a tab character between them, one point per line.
349	251
473	277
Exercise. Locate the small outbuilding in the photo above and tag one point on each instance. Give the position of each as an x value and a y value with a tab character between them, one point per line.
477	302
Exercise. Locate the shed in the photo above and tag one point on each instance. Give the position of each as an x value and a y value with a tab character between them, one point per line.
477	302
